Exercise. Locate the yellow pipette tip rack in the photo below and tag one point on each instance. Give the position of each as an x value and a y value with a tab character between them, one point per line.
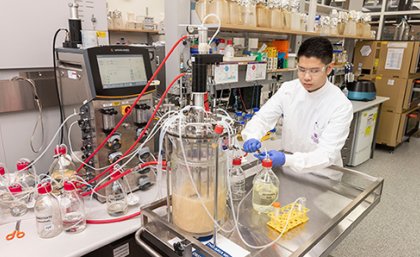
297	217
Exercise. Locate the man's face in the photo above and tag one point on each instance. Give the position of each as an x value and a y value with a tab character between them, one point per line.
312	72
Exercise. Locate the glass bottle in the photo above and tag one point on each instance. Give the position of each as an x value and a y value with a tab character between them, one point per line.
47	212
237	180
4	180
24	175
247	117
61	169
116	197
72	209
265	189
239	128
16	201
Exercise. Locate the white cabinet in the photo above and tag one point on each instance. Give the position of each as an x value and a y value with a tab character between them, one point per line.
364	132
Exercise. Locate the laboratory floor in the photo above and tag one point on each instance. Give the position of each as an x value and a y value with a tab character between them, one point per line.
392	228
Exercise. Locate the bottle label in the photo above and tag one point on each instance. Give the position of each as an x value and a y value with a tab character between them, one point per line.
46	222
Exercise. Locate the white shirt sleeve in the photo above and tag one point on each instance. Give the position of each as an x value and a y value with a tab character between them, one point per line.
330	143
266	118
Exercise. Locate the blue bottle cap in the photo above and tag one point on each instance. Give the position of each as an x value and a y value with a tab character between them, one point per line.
248	116
273	130
238	114
256	109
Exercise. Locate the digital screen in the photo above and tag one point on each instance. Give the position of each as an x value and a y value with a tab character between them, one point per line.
121	71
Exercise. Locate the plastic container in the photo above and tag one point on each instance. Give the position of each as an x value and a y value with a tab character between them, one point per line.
292	60
72	209
287	19
237	180
249	15
221	46
116	197
218	7
235	16
229	50
47	213
277	18
265	189
295	21
263	16
61	169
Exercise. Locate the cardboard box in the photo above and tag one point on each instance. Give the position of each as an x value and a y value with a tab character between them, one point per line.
397	57
398	90
366	57
390	130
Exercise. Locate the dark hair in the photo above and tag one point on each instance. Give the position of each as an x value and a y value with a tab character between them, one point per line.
318	47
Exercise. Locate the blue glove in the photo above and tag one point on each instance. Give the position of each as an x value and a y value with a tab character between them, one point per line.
252	145
277	157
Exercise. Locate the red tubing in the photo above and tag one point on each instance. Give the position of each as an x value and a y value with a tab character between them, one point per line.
114	220
133	105
120	176
162	98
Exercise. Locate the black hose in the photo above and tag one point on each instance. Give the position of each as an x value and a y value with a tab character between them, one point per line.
60	105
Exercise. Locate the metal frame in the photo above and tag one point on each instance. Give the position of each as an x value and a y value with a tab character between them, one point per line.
374	189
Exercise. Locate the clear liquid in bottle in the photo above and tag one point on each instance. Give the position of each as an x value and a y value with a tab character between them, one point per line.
265	188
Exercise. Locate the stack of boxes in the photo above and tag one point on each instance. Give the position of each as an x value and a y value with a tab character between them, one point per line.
393	66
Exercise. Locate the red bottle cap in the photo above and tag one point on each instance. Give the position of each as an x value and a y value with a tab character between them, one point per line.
267	163
14	189
69	186
22	165
2	171
237	161
222	41
44	188
60	149
219	129
230	42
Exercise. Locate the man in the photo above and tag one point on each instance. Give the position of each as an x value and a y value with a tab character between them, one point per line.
316	114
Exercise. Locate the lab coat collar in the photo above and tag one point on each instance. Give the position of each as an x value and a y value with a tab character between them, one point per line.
318	92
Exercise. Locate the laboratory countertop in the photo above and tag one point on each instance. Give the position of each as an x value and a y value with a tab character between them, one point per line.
361	105
69	245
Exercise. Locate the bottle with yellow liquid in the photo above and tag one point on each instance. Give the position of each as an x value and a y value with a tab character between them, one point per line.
62	169
265	188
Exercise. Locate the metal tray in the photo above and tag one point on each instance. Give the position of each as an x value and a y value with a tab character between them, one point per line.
336	207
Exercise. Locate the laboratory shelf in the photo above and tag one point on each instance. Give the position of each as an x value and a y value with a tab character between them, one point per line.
338	199
244	28
282	70
134	30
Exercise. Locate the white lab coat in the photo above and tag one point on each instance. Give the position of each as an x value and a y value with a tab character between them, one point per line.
315	125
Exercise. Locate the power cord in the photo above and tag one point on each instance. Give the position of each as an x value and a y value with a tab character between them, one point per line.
60	105
40	119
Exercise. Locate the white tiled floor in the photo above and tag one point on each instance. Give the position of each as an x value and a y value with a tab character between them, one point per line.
393	227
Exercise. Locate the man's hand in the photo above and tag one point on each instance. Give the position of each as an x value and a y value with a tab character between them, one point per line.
252	145
277	157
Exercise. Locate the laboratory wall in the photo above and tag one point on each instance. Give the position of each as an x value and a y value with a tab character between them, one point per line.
15	133
156	8
16	129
